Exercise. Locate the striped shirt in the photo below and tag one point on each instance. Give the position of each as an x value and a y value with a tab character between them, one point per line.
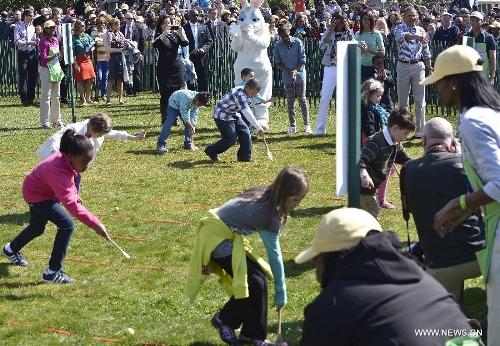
378	155
411	50
230	104
24	33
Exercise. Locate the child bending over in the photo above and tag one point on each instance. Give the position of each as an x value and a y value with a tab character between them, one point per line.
378	155
222	247
373	118
51	183
186	104
227	117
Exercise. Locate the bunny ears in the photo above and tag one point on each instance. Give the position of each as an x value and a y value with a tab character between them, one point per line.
254	3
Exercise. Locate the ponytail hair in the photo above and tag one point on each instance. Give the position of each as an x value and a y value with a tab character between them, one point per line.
74	144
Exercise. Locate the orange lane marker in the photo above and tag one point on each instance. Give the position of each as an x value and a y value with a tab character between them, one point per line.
58	331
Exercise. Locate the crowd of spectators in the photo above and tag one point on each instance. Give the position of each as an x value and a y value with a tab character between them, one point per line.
374	28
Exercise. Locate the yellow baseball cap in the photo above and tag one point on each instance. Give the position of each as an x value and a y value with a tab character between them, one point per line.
454	60
49	24
339	229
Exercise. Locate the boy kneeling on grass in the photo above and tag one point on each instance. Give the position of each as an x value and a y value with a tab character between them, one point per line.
231	125
378	155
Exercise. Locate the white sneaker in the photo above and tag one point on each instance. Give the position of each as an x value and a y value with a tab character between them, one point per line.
162	149
291	130
308	130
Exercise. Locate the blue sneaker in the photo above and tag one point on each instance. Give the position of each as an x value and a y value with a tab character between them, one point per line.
16	258
58	277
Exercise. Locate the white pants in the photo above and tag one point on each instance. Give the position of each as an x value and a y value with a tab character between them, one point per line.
493	296
327	88
409	75
49	98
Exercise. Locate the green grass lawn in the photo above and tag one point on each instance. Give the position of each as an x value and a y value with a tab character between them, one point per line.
160	200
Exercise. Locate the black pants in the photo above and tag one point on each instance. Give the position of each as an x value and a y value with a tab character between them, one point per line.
63	87
135	87
27	63
165	93
249	312
201	73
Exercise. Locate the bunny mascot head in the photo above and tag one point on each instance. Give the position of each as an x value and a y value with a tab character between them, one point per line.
250	38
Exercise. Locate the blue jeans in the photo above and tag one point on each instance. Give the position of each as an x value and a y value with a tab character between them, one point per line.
172	115
102	76
40	214
231	131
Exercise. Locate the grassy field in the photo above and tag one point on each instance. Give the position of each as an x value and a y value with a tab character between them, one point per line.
160	200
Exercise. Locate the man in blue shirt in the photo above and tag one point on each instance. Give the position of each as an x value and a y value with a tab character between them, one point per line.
290	56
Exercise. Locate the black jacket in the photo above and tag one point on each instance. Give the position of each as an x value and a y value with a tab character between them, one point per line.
379	297
204	42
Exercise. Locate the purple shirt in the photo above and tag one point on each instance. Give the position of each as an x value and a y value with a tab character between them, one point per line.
44	45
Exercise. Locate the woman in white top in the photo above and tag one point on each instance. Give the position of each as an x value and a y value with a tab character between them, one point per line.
339	30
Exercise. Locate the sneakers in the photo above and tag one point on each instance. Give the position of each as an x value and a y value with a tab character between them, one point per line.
58	123
387	205
308	129
194	148
256	342
46	126
58	277
226	333
291	130
16	258
162	149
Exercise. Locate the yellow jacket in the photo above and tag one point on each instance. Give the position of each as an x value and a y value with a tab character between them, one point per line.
211	232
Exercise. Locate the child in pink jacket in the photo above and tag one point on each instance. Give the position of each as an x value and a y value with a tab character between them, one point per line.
50	184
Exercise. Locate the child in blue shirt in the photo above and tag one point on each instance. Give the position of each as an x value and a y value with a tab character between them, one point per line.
184	103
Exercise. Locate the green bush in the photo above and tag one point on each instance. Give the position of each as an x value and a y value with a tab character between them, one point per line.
283	4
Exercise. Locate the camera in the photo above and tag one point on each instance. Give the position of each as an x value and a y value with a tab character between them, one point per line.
174	27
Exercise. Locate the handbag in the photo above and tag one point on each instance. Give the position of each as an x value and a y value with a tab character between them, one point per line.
55	71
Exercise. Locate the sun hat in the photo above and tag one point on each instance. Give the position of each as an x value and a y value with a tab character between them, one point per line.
124	7
477	14
49	24
92	16
495	24
454	60
446	14
339	229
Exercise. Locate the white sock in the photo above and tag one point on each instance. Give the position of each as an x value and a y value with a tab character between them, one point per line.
7	248
48	271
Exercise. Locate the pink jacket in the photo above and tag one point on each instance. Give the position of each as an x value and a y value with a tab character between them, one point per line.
54	179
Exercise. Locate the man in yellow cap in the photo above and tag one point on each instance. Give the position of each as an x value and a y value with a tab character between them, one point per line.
372	294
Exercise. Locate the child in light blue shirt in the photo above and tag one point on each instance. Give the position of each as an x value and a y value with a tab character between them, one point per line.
184	103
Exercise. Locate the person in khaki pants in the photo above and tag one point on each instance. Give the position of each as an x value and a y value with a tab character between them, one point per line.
49	99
